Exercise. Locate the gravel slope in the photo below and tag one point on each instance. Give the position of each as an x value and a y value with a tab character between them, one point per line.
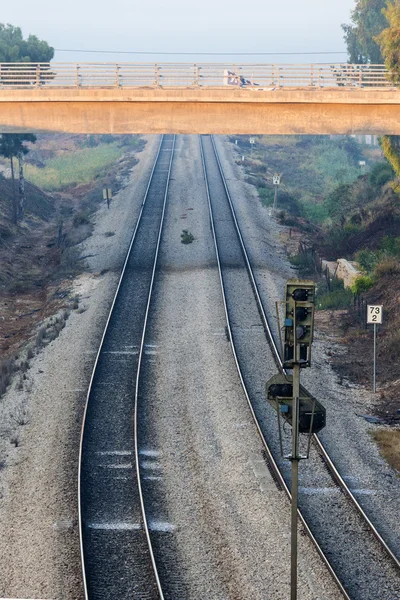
39	545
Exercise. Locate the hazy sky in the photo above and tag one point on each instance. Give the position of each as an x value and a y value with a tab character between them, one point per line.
182	26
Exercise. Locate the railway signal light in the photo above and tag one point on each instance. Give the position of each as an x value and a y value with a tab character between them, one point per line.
299	322
312	415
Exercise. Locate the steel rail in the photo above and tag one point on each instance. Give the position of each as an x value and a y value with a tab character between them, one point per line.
278	360
274	466
146	526
121	277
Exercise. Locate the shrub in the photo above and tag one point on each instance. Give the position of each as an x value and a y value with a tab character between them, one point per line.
391	245
337	298
387	266
368	259
394	342
20	416
380	174
80	218
304	261
41	334
69	261
186	237
362	284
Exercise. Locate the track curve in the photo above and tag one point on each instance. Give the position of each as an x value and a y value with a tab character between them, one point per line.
221	216
117	557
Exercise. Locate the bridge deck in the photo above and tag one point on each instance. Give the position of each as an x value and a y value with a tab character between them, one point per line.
251	99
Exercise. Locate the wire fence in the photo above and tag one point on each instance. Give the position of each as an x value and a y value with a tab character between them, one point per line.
192	75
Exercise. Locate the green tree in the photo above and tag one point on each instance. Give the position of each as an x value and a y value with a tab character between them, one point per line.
13	47
368	21
12	146
389	41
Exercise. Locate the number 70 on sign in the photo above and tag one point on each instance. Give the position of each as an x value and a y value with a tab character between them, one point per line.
374	314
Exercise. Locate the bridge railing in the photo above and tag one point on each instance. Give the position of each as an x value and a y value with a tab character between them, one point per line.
188	75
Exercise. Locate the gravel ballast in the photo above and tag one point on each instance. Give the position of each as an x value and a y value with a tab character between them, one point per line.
39	545
226	526
213	504
347	435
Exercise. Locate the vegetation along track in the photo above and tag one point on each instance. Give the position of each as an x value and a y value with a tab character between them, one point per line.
117	556
357	560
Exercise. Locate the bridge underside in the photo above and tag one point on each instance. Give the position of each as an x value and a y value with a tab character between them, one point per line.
218	111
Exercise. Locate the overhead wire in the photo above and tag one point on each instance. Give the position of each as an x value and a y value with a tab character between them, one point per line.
140	52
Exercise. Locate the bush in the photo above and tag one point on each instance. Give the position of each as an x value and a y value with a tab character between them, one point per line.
362	284
387	266
368	259
391	245
337	298
186	237
380	174
80	218
304	261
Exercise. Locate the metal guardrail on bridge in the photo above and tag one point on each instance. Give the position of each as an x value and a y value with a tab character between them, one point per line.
188	75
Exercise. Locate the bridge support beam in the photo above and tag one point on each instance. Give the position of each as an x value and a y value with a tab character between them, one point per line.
200	111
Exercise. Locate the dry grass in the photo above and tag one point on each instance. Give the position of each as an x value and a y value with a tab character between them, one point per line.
388	441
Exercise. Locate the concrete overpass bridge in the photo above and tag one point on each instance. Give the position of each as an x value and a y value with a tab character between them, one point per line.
197	98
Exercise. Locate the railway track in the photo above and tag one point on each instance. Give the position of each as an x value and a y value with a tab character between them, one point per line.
363	566
117	555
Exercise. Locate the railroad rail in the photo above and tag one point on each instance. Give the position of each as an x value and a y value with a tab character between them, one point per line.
273	465
116	550
192	75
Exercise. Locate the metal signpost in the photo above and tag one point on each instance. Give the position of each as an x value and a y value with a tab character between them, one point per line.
276	180
107	195
291	401
374	317
252	142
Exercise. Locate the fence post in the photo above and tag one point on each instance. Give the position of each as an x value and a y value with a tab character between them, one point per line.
196	76
328	279
157	75
78	83
37	75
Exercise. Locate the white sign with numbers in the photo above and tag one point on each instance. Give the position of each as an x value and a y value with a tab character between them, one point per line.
276	179
374	314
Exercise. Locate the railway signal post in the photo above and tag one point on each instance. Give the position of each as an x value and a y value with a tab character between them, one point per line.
291	401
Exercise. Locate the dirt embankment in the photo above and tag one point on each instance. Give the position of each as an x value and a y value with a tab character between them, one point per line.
40	255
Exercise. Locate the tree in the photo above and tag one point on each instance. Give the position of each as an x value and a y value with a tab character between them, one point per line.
368	21
389	42
13	48
12	146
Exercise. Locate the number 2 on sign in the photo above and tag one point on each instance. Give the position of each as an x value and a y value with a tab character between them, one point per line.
374	314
